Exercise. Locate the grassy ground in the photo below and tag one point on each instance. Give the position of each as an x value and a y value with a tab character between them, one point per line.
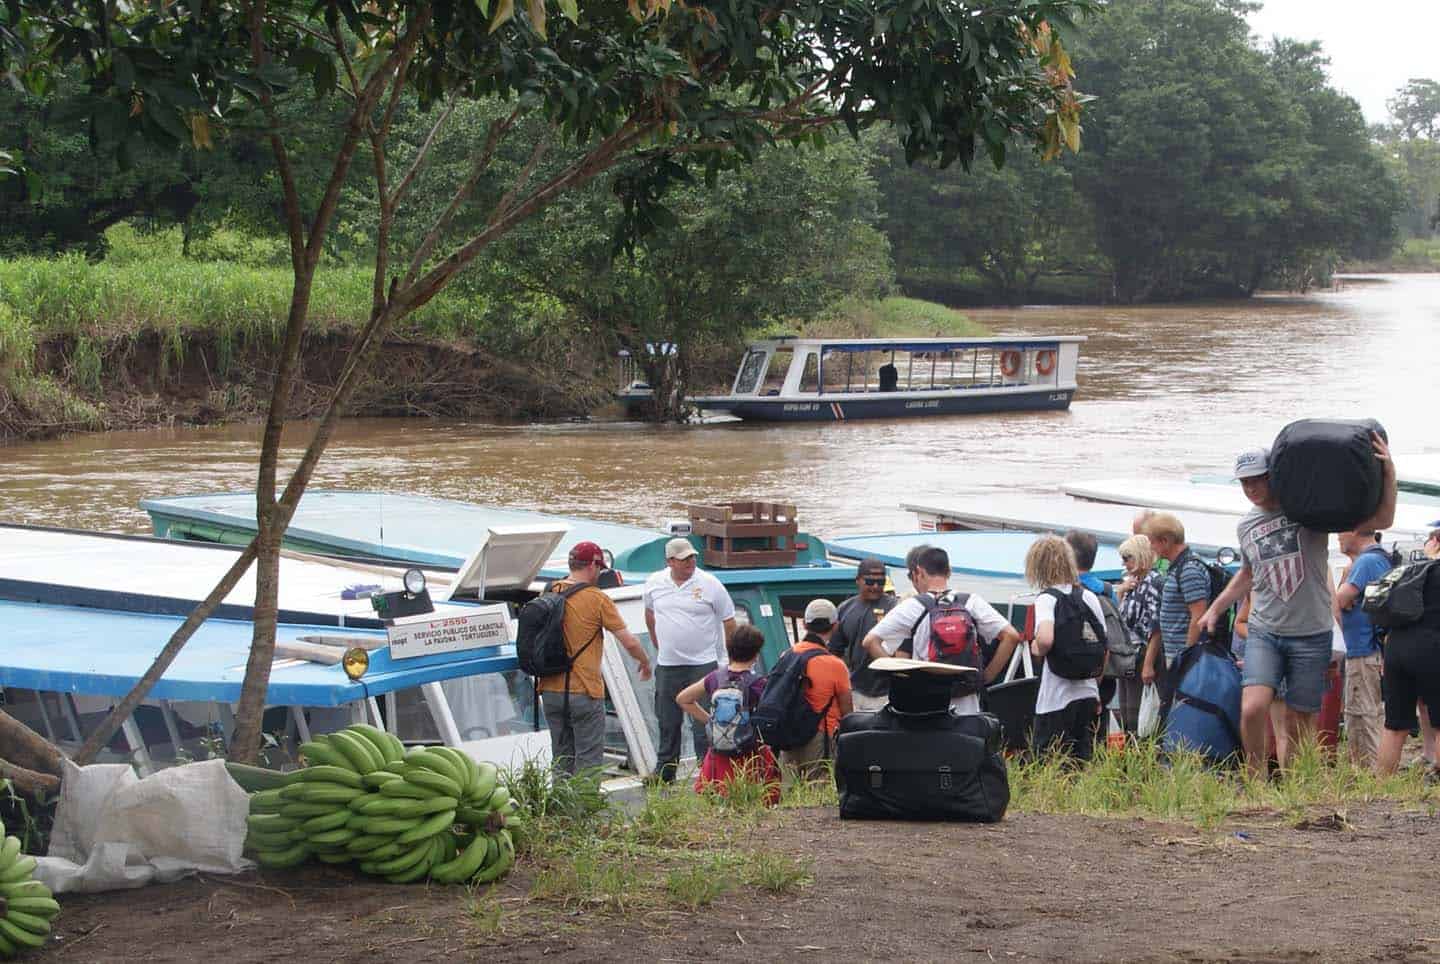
1416	254
894	317
689	849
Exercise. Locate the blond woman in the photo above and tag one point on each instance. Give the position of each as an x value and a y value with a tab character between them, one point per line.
1066	710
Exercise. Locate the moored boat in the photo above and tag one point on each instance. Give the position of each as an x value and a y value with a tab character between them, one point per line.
835	379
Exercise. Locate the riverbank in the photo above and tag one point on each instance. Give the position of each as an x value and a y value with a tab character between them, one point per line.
149	338
1249	867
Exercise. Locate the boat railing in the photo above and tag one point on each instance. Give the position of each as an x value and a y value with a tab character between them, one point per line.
957	370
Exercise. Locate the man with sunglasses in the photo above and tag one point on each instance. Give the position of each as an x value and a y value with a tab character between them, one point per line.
857	616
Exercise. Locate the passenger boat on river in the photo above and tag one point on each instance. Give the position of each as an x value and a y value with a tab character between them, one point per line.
833	379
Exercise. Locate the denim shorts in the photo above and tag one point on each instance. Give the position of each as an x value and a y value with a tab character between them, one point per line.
1294	665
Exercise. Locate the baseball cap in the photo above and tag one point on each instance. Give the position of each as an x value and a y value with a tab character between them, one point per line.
870	567
584	553
679	548
821	611
1252	462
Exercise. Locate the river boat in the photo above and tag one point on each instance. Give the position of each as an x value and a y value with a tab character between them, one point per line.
408	529
1412	520
835	379
77	590
414	529
1419	473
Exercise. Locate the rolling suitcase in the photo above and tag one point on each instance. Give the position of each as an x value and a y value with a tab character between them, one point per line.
1012	700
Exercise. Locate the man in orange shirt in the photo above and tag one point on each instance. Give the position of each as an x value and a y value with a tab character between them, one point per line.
577	718
827	691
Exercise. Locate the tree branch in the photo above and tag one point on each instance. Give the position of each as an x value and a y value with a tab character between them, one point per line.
498	130
121	712
420	155
579	173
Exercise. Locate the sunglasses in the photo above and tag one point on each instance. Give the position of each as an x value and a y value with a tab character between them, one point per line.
1126	558
879	581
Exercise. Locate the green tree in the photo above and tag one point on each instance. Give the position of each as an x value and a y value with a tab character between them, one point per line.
1010	225
1416	110
645	88
1412	141
1211	164
779	240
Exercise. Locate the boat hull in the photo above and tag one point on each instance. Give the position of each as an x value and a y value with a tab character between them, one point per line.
775	409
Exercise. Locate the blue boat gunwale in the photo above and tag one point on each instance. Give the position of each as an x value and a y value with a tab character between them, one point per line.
388	676
844	547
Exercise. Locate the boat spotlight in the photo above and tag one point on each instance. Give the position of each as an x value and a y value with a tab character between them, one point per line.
413	600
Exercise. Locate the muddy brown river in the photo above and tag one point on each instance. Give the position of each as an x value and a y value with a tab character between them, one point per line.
1164	392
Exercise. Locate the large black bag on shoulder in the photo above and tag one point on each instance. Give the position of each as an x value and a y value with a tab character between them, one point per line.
1325	474
932	766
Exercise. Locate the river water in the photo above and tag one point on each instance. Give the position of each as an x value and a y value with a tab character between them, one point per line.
1164	392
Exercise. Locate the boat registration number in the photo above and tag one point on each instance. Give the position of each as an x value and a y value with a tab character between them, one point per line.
933	403
454	634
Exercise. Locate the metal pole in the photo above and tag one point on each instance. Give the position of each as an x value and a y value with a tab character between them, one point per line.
849	369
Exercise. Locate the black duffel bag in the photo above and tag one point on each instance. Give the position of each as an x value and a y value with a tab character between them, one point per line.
1325	474
930	766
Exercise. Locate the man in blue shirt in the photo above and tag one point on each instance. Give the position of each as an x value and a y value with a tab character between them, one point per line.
1086	546
1364	712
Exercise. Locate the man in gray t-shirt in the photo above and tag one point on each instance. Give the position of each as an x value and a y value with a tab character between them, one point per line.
1286	568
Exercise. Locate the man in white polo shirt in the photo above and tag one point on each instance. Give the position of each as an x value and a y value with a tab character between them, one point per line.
689	615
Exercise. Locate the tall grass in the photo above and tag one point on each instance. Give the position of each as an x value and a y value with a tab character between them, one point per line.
1139	781
147	285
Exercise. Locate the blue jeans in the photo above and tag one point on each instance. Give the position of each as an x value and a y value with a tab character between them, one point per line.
1296	663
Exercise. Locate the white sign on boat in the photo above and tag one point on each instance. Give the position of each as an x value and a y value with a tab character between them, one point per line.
489	626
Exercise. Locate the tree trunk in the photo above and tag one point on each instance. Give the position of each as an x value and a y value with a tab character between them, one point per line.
244	746
26	748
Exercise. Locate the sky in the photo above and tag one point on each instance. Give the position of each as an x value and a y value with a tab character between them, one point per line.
1374	46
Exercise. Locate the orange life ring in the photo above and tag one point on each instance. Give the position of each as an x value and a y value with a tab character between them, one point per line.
1009	363
1045	361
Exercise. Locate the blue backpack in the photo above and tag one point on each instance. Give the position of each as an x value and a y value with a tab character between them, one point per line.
1205	715
730	731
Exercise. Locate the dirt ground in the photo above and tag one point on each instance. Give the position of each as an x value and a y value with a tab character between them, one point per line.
1360	887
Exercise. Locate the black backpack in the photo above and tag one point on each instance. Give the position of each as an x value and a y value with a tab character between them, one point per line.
1079	649
784	719
1219	578
1397	598
540	640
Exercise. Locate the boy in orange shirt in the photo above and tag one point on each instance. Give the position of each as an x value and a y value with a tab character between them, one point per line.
827	691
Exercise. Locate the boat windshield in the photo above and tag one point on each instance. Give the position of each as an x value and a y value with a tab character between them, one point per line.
752	369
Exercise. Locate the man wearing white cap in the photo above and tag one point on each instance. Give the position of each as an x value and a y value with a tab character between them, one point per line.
1286	568
689	615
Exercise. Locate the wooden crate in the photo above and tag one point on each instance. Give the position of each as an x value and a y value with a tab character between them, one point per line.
746	535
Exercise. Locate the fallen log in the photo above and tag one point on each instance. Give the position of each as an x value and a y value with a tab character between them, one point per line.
28	782
26	748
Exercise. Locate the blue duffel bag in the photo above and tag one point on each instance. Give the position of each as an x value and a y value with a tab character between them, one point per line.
1205	715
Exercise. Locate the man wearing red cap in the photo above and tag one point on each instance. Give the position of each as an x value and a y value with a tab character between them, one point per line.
576	717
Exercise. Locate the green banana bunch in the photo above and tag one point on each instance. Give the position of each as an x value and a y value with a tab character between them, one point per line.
363	798
26	905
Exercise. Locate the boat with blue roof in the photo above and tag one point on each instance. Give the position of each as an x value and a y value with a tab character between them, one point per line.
835	379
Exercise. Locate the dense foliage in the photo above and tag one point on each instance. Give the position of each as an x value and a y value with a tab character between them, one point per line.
1212	166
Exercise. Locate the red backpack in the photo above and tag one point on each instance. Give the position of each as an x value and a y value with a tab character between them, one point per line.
954	637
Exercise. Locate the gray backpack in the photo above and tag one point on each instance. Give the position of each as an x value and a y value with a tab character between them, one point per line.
1122	653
